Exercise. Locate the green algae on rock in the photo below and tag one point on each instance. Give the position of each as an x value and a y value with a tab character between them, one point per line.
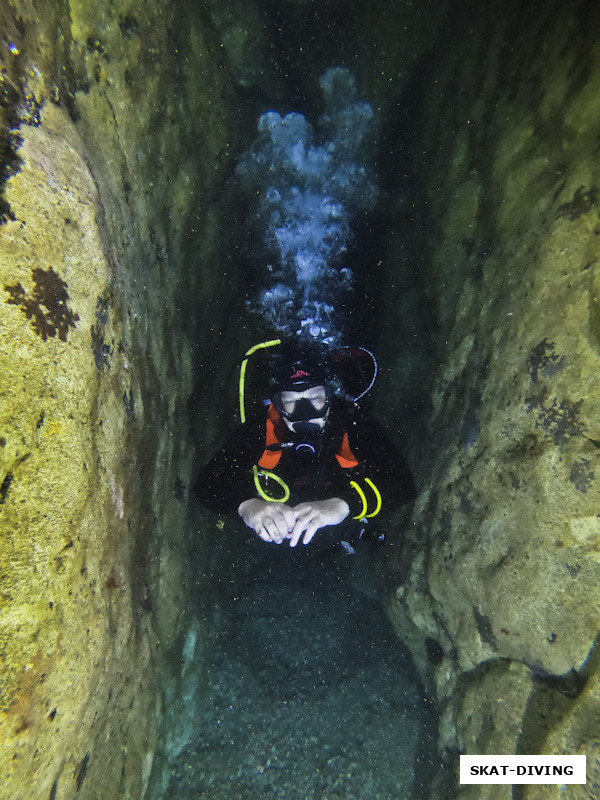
95	605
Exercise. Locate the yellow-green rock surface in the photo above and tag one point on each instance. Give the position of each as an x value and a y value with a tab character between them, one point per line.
114	148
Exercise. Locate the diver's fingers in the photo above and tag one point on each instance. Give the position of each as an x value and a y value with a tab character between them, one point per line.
263	534
295	537
302	525
297	532
289	518
271	520
272	529
279	518
310	531
269	524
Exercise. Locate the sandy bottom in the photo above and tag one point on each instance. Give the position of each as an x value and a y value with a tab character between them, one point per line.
312	696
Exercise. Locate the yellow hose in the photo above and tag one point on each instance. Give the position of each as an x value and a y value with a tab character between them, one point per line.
377	495
277	479
242	383
361	494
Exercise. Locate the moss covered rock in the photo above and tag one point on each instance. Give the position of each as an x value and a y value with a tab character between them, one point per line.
111	149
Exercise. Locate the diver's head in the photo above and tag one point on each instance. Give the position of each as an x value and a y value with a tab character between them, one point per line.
303	395
303	411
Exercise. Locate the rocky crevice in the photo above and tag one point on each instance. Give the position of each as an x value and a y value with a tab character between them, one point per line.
118	129
502	542
101	617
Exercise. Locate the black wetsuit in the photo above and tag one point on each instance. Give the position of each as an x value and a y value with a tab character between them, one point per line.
228	478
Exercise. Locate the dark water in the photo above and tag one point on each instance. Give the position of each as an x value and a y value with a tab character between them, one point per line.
311	695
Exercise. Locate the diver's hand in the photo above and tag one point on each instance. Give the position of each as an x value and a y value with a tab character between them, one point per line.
317	514
273	522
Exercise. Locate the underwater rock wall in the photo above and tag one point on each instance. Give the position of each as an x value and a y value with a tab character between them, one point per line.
113	137
498	582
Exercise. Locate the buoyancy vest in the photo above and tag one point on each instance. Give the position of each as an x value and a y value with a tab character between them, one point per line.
272	453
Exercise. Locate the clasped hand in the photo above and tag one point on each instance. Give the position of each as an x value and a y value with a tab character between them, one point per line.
277	522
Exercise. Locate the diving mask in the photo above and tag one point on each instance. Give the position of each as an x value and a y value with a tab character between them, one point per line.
299	408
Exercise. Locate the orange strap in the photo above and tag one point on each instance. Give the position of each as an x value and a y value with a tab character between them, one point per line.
345	456
270	458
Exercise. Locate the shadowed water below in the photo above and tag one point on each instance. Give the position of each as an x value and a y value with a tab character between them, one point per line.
311	694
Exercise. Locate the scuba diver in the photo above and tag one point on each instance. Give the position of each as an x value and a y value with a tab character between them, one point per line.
313	459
